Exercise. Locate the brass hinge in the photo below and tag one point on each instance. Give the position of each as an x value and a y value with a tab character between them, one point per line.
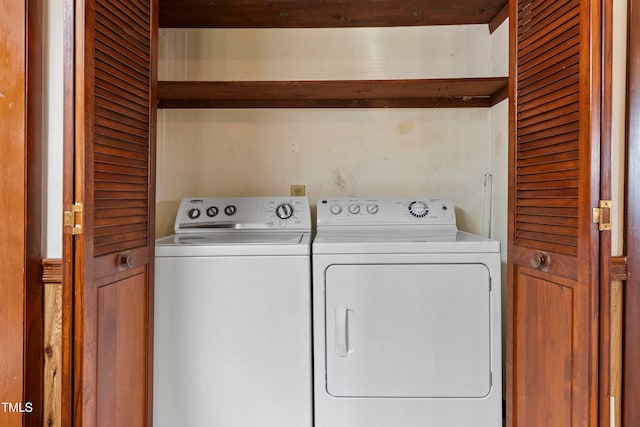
601	217
73	218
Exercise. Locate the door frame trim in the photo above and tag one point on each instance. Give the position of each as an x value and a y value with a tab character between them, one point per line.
68	199
605	285
631	292
34	291
23	356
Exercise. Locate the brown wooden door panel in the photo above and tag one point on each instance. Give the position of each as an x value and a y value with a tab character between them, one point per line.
115	109
122	351
546	337
553	247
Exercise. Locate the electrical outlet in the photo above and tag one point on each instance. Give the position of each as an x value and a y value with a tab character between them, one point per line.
297	190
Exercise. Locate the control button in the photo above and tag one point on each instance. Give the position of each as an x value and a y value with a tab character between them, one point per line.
354	209
212	211
193	213
284	211
335	209
418	209
373	209
230	210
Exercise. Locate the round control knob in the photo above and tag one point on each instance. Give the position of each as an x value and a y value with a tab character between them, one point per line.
193	213
230	210
212	211
373	209
354	209
418	209
284	211
335	209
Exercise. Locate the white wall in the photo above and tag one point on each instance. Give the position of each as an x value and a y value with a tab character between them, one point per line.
618	135
52	153
500	140
334	152
324	53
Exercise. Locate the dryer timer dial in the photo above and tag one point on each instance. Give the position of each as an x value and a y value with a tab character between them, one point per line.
418	209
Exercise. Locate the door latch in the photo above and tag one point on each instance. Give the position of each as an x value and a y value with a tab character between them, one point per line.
601	216
73	218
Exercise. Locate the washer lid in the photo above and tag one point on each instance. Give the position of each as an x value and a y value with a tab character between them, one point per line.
236	238
234	243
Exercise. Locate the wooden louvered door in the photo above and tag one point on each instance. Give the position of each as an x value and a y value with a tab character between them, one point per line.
115	109
554	178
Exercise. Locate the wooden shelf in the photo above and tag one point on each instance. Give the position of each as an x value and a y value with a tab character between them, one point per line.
328	13
420	93
417	93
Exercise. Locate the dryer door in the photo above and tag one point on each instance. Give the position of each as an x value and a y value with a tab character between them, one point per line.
408	330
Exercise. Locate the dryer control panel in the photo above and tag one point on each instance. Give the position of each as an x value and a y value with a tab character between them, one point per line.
373	211
206	214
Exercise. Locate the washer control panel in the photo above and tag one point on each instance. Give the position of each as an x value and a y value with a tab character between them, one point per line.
384	211
205	214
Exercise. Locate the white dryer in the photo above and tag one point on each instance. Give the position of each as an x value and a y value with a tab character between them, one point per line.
232	329
407	328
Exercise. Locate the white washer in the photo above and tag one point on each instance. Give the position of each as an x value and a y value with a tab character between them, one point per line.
406	317
232	330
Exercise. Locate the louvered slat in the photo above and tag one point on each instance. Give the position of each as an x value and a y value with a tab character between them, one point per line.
565	122
560	183
123	114
547	118
135	103
530	19
124	220
553	78
124	145
105	157
113	204
116	213
121	117
558	144
119	152
118	134
535	27
558	99
126	170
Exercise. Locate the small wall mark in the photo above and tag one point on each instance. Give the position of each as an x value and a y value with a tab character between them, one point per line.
403	127
338	180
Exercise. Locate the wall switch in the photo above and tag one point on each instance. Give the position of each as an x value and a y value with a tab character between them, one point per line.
297	190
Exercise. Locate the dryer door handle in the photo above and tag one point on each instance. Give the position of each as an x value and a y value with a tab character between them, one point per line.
342	330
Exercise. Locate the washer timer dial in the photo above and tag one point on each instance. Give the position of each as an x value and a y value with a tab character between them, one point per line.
418	209
284	211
